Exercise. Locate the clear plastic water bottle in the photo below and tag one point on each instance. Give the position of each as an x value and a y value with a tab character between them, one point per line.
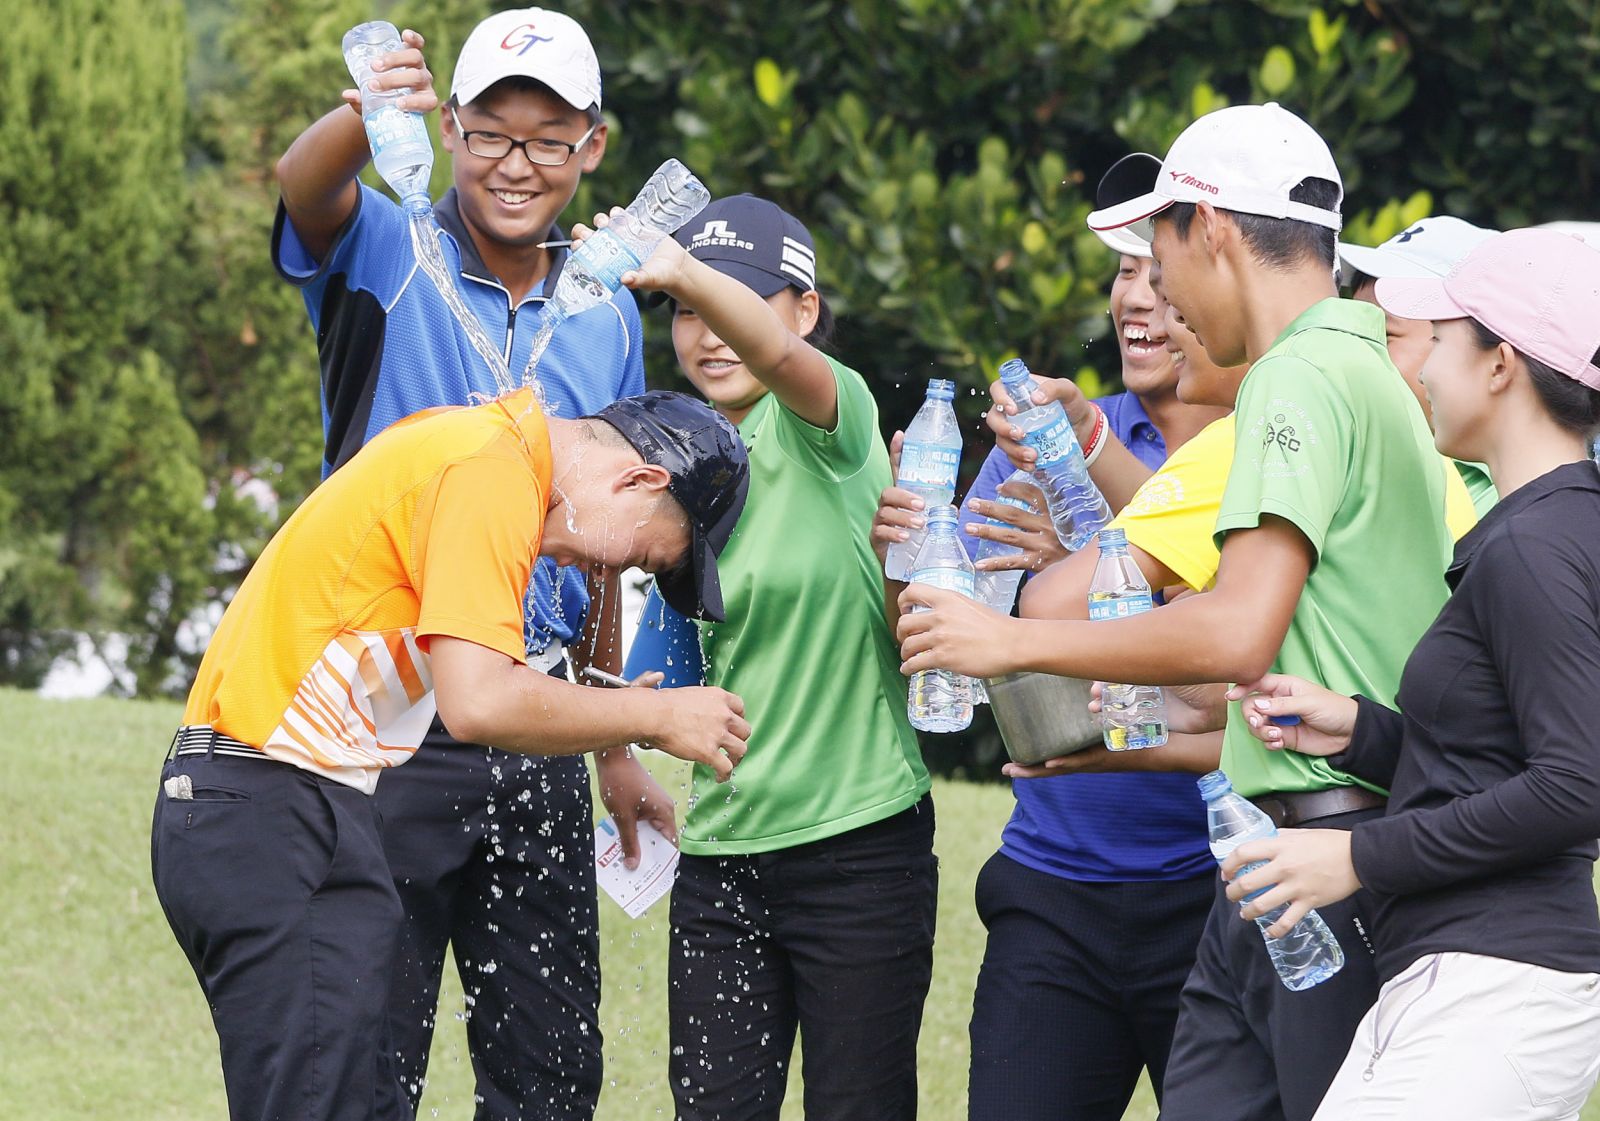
401	150
1132	716
998	590
941	701
1077	508
1309	954
593	273
929	460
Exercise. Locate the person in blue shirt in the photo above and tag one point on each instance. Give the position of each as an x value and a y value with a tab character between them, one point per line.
1097	897
492	854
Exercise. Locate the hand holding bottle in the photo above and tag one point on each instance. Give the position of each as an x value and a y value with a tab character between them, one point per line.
1008	435
1303	869
405	69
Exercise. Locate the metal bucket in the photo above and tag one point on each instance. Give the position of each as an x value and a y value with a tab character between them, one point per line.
1042	716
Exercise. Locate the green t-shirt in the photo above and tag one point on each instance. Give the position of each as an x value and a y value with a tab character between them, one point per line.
1330	438
1479	485
805	642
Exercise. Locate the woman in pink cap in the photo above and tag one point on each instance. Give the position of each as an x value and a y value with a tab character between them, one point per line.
1488	936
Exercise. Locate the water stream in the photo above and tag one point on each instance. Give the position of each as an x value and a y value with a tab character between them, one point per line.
430	255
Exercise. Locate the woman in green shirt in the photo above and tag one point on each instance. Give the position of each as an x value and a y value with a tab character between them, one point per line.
807	889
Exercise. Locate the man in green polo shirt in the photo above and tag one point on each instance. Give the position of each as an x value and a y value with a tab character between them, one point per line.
1332	560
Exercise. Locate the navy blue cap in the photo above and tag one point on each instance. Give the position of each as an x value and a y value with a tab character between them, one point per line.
710	477
756	242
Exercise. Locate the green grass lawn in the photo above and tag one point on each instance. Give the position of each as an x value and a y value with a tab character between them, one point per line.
100	1017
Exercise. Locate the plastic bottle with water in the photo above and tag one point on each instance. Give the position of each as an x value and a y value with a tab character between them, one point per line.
929	460
1131	716
941	701
670	198
1309	954
401	150
998	590
1077	508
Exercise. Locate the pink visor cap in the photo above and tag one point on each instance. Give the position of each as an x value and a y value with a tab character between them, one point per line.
1244	158
1539	290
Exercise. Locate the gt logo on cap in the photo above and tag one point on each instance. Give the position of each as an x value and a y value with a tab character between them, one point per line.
527	41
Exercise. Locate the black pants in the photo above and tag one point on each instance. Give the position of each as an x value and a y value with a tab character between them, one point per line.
1248	1049
1078	991
493	854
274	882
835	937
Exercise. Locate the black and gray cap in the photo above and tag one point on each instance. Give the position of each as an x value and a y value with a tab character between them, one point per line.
710	477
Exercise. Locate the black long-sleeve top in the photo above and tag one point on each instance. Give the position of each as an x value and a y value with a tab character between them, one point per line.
1493	762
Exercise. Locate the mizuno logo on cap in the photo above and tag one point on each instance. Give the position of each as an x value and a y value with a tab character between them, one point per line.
717	233
1187	180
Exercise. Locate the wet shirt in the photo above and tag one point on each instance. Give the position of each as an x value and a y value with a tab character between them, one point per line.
1488	844
1329	438
805	642
389	346
321	659
1110	827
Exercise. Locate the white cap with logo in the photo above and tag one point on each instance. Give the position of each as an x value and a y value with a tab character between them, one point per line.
1245	158
1430	247
534	43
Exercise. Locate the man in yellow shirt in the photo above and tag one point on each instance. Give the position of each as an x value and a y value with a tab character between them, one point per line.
394	592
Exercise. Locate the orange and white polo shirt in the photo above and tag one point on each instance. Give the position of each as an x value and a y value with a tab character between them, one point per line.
321	659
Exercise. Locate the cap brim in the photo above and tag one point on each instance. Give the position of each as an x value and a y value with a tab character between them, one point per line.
1127	213
570	92
760	281
693	589
1381	264
1124	240
1417	298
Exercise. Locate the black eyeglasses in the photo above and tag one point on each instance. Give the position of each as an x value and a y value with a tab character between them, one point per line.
545	152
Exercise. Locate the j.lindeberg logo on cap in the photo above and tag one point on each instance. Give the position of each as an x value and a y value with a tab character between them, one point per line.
530	36
716	232
1187	180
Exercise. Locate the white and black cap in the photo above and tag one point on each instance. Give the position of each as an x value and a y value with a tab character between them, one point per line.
756	242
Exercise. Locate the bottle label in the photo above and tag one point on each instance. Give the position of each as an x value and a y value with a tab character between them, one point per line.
1053	440
1118	607
933	466
606	258
392	125
950	579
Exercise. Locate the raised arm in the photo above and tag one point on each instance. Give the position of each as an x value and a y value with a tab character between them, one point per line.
317	175
781	360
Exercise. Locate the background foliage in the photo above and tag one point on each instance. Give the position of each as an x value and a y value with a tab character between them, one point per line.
943	152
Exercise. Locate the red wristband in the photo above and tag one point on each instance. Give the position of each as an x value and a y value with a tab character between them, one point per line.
1097	437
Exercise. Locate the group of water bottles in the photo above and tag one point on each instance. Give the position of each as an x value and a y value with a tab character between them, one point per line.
1132	716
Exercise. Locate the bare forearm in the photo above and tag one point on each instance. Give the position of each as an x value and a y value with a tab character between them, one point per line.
600	645
519	709
317	176
1117	473
1197	641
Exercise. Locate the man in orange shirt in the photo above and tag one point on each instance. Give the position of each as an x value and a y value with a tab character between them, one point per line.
394	592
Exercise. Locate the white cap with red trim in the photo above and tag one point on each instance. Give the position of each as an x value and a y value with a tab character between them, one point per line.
1245	158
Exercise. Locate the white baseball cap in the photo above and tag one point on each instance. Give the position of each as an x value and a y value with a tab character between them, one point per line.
1245	158
529	43
1430	247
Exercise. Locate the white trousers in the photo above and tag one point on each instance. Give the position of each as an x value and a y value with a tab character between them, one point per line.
1461	1037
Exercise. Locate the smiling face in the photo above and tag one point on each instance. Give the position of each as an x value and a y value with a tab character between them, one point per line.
1141	329
715	369
1192	282
1455	380
512	202
1200	380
